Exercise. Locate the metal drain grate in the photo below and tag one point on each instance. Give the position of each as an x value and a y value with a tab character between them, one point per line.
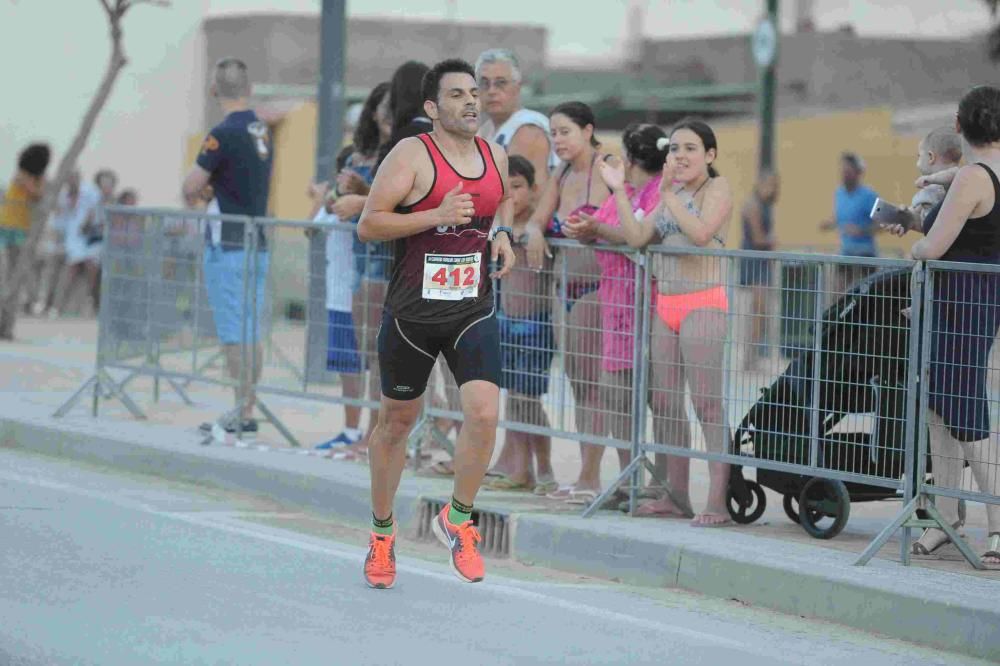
493	527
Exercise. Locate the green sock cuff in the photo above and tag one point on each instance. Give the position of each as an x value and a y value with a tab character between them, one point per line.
458	513
380	526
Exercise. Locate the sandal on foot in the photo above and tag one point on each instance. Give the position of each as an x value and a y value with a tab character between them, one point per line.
561	493
651	492
726	522
993	551
582	497
650	510
920	550
505	483
545	486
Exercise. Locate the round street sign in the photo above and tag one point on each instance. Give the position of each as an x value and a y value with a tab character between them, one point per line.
764	43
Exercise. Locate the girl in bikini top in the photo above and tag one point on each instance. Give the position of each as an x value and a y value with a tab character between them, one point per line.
554	228
666	226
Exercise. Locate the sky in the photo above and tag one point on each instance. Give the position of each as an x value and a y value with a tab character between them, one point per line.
51	67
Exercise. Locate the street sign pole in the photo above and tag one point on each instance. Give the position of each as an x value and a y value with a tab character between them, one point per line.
329	136
765	52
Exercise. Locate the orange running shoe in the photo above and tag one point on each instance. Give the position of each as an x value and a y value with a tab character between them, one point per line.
380	565
463	542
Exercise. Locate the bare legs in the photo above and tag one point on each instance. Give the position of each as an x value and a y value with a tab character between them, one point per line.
694	356
367	314
387	448
948	457
234	363
524	450
583	368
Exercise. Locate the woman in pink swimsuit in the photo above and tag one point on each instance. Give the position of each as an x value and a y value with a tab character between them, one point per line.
642	166
689	332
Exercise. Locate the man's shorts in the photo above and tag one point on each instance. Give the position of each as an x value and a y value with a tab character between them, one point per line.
407	352
342	345
527	347
224	278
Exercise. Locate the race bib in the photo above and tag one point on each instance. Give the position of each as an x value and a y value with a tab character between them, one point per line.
451	277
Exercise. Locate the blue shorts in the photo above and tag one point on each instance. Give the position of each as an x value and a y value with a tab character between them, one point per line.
372	261
224	276
526	347
342	345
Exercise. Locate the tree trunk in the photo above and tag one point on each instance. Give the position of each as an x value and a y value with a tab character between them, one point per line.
25	261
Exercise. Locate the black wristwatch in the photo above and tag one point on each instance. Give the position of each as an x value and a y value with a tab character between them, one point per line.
507	230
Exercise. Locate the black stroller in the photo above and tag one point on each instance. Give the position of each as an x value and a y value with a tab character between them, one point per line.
863	368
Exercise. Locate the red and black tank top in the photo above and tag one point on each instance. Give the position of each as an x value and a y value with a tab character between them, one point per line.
442	274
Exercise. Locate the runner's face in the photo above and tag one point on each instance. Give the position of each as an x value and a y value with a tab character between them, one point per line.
568	138
501	94
688	155
458	106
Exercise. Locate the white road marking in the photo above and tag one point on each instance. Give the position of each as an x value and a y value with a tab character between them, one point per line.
357	555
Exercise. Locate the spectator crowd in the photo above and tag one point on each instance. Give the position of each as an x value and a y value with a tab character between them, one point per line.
666	187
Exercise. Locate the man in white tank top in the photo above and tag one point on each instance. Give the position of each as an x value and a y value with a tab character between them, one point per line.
519	131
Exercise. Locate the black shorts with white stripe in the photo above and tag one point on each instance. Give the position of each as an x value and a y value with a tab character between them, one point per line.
407	352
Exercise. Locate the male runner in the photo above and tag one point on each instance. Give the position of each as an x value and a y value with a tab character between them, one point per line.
441	196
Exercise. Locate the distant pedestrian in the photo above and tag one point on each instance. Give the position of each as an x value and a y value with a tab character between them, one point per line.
235	159
18	203
853	202
755	274
84	241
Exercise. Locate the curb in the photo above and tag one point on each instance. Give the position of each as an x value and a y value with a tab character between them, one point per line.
942	610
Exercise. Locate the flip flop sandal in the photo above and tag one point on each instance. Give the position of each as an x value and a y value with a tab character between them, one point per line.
543	488
582	497
919	550
561	493
647	511
505	483
993	546
728	522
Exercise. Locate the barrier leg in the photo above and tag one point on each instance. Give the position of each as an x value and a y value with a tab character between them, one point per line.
276	422
100	382
73	399
628	474
907	518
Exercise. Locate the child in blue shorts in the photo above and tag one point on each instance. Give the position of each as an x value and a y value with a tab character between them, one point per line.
342	354
527	345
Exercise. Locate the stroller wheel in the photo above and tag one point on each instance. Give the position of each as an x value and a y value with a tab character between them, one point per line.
790	503
823	499
756	502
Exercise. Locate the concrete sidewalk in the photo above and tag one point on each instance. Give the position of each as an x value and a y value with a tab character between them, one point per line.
772	563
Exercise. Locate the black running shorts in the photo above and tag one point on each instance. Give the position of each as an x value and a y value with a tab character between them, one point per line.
407	352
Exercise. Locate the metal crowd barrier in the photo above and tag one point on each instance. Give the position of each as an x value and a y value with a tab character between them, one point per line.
814	370
958	441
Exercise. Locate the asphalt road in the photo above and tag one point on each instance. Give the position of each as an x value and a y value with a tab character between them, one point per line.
105	569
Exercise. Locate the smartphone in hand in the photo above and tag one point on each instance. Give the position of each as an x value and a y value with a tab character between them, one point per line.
890	215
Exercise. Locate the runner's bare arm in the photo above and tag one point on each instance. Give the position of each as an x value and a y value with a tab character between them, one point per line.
500	247
393	184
